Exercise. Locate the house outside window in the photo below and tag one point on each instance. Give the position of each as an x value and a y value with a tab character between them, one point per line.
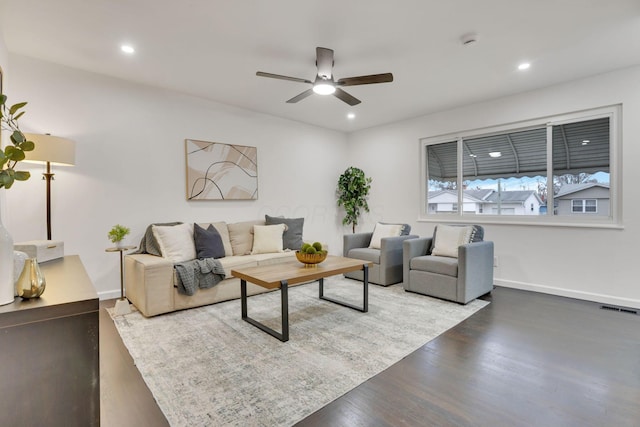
546	170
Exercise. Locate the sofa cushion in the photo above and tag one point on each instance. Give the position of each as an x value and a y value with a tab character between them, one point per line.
436	264
267	238
384	230
221	226
176	242
241	236
366	254
448	238
208	242
274	258
237	261
292	238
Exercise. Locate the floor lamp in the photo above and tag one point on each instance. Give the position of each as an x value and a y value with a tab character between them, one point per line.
51	150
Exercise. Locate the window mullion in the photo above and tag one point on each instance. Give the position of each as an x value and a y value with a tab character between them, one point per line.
460	176
550	186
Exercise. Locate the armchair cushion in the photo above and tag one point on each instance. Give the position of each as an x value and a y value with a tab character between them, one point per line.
382	230
436	264
448	238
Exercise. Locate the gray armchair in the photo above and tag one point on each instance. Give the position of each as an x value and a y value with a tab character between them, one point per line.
460	279
387	261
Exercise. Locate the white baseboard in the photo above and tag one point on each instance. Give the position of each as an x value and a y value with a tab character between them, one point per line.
109	294
570	293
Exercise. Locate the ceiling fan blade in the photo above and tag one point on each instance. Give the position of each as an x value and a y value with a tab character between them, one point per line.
278	76
300	97
344	96
366	80
324	61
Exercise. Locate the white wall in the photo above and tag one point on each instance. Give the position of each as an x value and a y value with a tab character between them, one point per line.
130	164
593	264
130	170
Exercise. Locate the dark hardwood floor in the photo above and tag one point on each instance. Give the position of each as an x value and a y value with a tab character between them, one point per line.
527	359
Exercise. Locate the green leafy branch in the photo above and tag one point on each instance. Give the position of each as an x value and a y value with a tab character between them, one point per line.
118	232
353	190
14	152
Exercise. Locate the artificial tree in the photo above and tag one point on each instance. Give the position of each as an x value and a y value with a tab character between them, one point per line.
353	190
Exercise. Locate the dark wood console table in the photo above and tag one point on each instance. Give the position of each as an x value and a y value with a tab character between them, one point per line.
49	352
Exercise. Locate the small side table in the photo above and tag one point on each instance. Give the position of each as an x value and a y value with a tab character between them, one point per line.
122	305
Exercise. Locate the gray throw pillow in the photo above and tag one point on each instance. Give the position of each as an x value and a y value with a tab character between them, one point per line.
292	237
208	242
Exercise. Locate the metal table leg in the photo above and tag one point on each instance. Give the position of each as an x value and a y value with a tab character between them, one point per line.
365	296
284	297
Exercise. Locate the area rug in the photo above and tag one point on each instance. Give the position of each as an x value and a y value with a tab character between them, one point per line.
206	366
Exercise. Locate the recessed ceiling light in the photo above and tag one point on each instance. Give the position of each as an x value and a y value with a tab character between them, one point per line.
127	48
524	66
351	116
495	154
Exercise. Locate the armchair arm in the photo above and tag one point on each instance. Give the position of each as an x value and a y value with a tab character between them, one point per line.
356	240
391	255
412	248
475	270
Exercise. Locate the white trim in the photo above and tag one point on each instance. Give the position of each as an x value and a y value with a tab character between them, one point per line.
569	293
104	295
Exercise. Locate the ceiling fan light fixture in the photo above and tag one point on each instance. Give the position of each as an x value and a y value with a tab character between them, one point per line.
324	88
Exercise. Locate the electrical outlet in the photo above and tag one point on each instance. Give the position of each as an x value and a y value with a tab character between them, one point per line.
495	261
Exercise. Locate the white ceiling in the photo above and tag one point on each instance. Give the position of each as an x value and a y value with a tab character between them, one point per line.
213	48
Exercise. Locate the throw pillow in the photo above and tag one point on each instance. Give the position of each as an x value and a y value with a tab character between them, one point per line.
267	238
222	229
176	242
241	236
148	243
384	230
448	238
292	238
208	242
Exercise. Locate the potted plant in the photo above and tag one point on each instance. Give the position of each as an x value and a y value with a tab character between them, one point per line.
117	233
14	152
353	190
9	158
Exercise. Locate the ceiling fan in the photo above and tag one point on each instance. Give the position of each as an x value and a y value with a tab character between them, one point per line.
324	84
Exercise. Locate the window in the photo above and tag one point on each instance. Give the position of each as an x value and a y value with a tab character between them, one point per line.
584	206
554	167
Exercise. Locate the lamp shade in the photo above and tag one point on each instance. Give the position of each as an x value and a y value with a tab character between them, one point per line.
51	149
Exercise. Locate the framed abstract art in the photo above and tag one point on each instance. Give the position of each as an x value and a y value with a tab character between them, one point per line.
217	171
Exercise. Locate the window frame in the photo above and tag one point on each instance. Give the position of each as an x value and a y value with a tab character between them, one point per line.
583	206
614	220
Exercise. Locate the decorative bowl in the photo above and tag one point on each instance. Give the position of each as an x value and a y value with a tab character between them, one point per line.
311	259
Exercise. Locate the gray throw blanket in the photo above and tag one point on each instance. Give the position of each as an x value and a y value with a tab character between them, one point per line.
198	274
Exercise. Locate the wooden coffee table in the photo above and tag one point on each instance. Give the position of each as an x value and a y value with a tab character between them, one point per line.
292	273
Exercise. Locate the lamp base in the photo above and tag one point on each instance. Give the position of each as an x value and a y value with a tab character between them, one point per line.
121	307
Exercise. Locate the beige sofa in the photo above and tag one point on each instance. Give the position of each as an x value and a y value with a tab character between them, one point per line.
150	280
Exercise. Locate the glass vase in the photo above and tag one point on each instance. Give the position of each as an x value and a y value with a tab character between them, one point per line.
31	282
